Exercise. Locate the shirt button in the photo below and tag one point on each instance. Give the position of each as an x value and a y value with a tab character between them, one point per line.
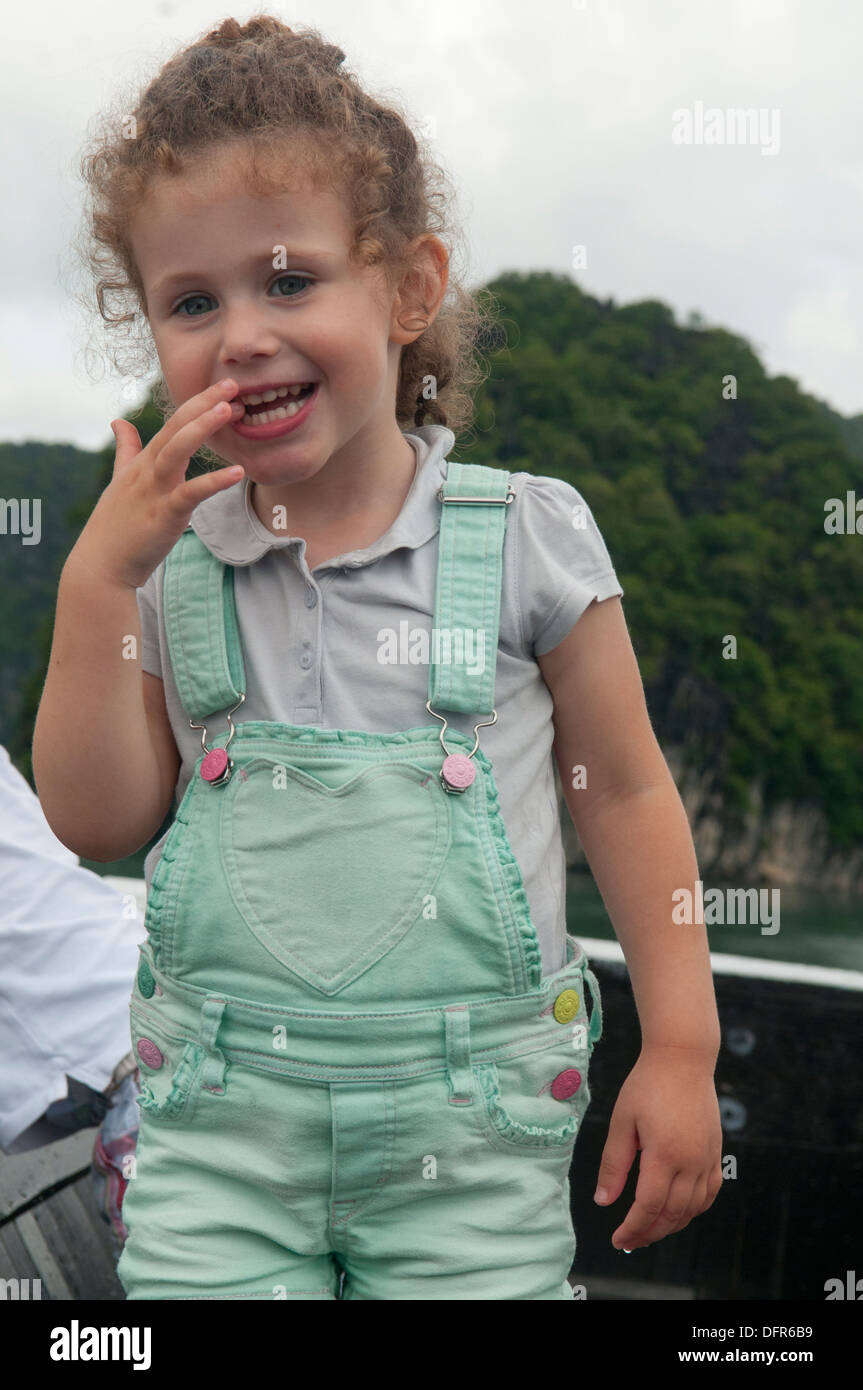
146	983
566	1006
149	1054
311	598
306	660
566	1084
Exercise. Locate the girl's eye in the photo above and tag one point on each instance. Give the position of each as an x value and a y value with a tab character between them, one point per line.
192	299
301	280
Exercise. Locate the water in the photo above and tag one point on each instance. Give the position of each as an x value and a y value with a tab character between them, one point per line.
815	928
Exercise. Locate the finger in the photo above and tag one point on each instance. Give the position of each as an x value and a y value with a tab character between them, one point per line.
621	1146
651	1194
173	456
714	1184
700	1199
678	1210
128	442
193	409
675	1214
187	497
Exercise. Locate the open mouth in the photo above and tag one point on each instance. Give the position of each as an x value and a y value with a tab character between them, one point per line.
285	402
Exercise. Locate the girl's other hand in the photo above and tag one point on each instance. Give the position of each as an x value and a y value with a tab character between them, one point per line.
667	1108
146	507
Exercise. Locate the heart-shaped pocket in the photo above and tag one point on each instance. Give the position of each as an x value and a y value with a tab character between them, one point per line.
330	878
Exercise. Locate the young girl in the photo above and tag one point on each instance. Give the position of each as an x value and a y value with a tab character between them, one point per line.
363	1030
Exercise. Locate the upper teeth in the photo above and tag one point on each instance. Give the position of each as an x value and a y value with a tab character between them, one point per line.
272	395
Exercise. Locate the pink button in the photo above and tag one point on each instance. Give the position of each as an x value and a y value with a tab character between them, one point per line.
458	771
566	1084
214	764
150	1054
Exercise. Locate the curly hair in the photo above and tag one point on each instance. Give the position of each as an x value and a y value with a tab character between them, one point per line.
260	86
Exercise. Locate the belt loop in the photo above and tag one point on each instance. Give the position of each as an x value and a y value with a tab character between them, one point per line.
459	1075
595	1031
213	1074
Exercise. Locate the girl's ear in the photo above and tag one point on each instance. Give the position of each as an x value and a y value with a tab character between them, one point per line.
424	286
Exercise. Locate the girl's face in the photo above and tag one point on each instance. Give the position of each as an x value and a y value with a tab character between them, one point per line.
206	249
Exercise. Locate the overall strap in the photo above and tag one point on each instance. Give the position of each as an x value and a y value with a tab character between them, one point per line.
201	626
474	505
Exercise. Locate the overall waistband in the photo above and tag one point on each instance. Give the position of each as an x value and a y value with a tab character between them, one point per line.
328	1045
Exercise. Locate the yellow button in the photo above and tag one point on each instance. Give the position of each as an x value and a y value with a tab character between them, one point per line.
566	1006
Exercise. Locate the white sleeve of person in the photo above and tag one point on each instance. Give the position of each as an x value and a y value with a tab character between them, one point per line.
68	956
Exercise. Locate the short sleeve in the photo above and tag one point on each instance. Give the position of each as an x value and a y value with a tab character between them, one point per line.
151	659
563	562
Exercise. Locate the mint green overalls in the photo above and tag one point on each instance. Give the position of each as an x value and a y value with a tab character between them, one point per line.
355	1080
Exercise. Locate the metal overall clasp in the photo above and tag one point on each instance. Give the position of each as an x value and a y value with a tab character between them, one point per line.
484	502
217	767
458	772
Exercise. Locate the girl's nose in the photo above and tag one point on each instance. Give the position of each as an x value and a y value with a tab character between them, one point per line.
246	333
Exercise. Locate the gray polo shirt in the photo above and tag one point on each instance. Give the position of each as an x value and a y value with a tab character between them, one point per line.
314	642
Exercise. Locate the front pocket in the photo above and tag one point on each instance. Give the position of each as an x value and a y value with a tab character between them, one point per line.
515	1105
330	878
168	1069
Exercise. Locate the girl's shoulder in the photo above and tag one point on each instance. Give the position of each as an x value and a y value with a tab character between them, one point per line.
560	560
554	519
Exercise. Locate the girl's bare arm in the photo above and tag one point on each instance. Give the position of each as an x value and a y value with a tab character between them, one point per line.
103	770
104	758
632	826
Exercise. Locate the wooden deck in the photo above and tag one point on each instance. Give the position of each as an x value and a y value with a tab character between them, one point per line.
50	1227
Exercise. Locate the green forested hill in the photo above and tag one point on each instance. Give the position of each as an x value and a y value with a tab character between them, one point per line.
713	510
851	429
65	482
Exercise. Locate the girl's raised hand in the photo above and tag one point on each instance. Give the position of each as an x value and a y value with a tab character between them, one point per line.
146	506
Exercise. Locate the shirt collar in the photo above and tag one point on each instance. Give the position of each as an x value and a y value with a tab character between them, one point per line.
232	531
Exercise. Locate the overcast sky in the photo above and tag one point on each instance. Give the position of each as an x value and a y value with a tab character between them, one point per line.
555	120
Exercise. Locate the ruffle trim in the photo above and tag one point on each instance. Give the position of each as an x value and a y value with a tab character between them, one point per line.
532	1136
175	1102
514	881
153	919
